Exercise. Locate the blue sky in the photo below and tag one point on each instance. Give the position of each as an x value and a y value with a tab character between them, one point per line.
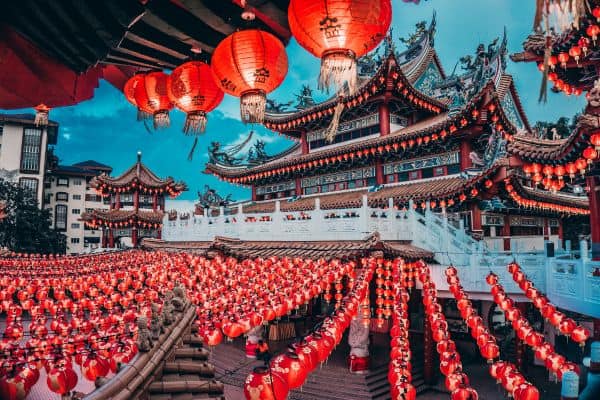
105	128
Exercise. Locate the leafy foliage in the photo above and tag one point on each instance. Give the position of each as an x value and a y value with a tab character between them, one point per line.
27	228
563	127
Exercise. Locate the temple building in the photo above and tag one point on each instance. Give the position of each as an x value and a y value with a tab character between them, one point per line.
455	143
136	206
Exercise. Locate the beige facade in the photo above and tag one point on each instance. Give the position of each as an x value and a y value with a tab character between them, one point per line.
24	151
68	195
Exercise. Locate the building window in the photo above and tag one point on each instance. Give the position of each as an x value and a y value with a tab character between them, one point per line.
75	226
453	169
76	197
60	221
93	197
31	149
62	182
390	178
427	173
62	196
77	182
76	211
30	185
439	171
74	240
412	175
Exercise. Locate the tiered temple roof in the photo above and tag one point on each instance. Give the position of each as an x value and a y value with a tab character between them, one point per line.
141	176
311	249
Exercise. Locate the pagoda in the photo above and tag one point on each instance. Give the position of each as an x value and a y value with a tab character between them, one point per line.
137	204
412	134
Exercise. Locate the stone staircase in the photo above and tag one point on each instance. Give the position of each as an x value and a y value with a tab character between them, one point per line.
188	376
377	379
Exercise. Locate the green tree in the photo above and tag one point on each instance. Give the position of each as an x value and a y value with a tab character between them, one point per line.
563	126
27	228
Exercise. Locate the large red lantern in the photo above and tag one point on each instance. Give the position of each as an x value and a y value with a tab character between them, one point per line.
129	92
291	368
249	64
339	32
151	97
61	380
263	384
192	88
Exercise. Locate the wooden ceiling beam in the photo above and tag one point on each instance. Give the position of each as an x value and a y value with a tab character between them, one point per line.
165	43
148	53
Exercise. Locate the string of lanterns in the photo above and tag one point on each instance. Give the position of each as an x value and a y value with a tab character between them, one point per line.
544	351
512	380
540	205
588	32
400	367
105	189
565	326
450	363
289	370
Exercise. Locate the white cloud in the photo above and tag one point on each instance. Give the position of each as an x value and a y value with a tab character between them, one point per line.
66	136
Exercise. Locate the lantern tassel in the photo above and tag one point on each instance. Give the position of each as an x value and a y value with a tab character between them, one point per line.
193	149
335	122
195	123
338	67
252	106
161	119
143	115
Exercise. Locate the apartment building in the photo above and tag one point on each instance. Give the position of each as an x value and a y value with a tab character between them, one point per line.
68	195
25	150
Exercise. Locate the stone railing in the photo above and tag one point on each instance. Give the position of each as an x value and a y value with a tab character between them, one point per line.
133	380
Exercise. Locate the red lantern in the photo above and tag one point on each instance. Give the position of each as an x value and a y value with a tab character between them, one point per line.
129	92
249	64
464	393
595	141
590	154
192	88
290	367
263	384
575	52
151	97
339	32
61	380
526	391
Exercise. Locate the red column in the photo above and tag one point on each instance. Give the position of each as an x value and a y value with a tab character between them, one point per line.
298	186
304	143
154	201
159	233
384	119
379	178
594	196
506	233
428	356
546	229
104	238
134	236
118	201
253	193
111	238
465	151
560	231
136	200
476	218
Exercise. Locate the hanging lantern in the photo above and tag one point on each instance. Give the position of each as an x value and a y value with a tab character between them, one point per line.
249	64
129	92
590	154
41	115
595	141
339	32
151	97
575	52
192	88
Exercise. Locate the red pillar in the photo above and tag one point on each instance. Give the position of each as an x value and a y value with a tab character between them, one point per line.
253	193
136	200
154	201
476	218
428	369
118	201
159	233
465	151
384	119
379	178
134	236
594	196
104	238
304	143
506	233
560	231
546	229
111	238
298	186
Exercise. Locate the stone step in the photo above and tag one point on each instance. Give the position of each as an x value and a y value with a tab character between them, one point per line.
193	341
200	368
